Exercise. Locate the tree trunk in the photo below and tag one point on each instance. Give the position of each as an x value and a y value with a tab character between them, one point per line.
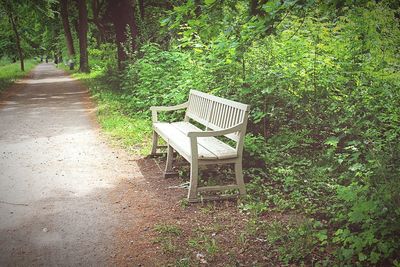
83	28
67	29
197	10
17	39
123	16
255	7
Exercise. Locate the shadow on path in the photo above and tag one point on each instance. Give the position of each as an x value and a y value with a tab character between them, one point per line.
57	176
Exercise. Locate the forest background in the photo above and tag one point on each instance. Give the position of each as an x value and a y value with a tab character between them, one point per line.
322	79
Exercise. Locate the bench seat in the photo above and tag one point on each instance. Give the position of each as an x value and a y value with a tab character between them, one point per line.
175	134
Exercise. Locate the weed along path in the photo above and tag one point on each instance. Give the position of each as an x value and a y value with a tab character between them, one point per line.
56	175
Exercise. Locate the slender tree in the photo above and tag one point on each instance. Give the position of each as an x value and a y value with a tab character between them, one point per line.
141	9
97	6
197	10
256	7
82	34
67	29
123	17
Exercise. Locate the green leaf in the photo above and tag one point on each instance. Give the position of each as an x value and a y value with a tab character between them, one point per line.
332	141
322	235
165	21
362	256
356	167
209	2
271	6
347	253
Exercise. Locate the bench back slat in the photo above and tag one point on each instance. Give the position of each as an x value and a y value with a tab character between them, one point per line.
197	108
217	113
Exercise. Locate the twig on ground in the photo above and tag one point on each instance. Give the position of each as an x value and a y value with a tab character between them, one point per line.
184	185
15	204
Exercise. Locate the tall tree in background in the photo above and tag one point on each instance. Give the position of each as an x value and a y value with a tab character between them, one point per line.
256	7
141	9
97	6
8	7
123	17
82	34
67	29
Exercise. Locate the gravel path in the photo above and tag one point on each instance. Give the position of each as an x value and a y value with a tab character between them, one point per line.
56	173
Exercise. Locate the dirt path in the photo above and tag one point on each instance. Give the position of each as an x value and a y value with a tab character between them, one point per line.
56	176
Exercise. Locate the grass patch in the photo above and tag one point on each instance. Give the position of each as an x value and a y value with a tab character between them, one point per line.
9	73
131	133
167	237
204	243
128	130
167	229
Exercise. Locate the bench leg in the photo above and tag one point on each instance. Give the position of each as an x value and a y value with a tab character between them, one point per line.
239	178
194	175
168	167
155	141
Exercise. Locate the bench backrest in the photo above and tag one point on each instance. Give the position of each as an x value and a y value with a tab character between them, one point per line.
217	113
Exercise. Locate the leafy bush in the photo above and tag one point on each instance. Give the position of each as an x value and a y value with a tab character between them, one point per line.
158	78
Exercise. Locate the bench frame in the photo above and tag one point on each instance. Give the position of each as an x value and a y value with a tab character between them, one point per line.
228	110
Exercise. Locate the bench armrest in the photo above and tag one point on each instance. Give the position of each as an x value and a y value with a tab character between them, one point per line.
236	128
155	109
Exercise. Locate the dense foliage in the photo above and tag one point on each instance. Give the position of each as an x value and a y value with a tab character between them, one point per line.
324	90
32	32
323	82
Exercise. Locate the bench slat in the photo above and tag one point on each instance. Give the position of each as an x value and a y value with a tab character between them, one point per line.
180	141
215	146
217	188
214	112
221	100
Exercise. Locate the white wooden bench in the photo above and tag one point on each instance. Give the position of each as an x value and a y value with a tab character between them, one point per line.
220	117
